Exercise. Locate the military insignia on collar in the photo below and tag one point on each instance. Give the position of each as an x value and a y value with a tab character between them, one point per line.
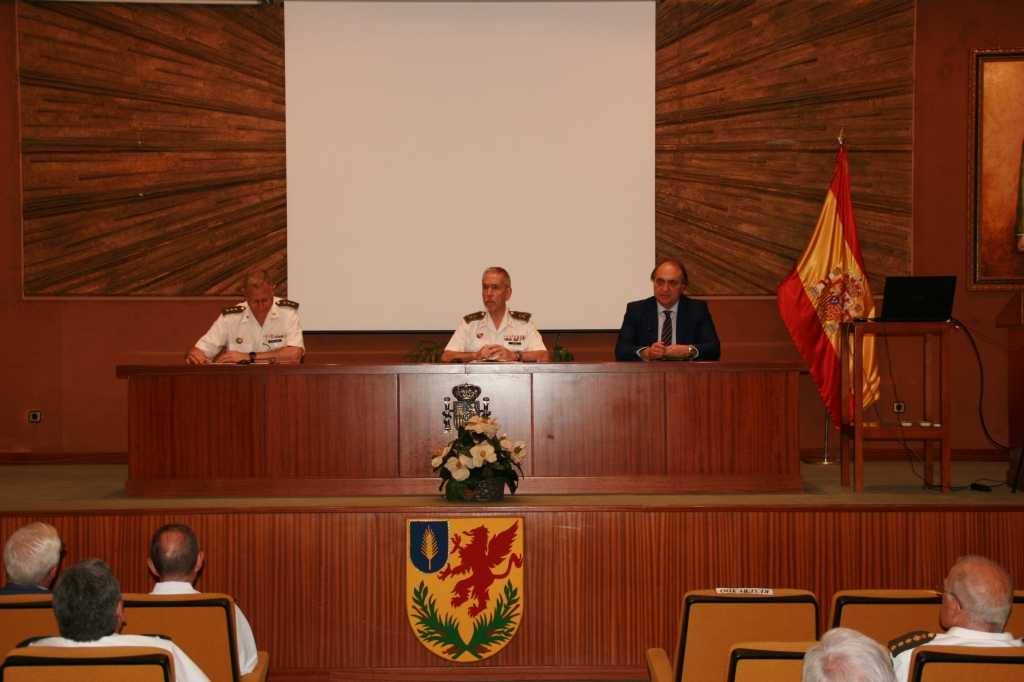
288	304
233	309
238	340
464	584
909	641
479	335
522	317
473	317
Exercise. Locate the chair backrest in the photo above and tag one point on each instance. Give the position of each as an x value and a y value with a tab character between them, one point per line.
202	625
88	664
711	624
959	663
1015	624
26	615
884	615
767	661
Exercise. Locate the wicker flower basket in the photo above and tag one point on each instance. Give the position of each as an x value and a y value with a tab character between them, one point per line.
489	490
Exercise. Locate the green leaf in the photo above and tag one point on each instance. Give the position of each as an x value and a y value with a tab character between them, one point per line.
497	627
432	628
454	490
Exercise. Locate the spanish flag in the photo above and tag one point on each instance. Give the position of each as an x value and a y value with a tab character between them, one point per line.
826	287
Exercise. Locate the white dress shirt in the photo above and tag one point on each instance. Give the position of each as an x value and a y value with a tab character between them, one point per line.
241	332
954	637
513	334
184	669
243	632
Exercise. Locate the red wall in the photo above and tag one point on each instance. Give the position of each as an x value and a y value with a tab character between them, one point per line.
61	354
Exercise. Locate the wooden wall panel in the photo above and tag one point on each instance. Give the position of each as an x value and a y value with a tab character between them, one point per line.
153	147
751	97
323	588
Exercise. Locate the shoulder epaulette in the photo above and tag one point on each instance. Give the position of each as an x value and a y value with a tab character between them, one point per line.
909	641
233	309
473	317
288	304
522	317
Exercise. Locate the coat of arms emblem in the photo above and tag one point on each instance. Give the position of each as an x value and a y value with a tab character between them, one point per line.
464	584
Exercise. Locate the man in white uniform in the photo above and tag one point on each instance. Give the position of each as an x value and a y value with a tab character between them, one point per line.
977	597
87	604
31	557
497	333
263	328
175	560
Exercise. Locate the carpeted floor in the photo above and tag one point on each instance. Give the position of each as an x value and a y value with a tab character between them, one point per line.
91	487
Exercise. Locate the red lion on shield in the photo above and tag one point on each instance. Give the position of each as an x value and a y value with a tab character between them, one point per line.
478	558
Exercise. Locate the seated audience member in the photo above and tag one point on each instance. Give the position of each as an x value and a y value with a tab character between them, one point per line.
262	328
977	597
175	560
845	655
668	325
31	556
87	604
496	333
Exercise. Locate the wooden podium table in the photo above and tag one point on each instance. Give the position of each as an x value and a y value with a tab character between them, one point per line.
935	336
325	430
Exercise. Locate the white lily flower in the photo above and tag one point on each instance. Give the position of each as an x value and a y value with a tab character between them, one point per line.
481	453
457	465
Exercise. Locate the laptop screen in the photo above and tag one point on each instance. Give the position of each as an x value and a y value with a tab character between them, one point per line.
918	299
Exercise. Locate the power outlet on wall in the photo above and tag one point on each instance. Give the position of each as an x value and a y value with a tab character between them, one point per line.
899	408
35	416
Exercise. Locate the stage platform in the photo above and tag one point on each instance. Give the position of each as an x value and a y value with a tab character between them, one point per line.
322	580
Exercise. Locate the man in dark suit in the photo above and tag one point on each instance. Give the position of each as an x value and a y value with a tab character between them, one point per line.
668	325
31	556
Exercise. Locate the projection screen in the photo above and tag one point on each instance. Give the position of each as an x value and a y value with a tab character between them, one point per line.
427	141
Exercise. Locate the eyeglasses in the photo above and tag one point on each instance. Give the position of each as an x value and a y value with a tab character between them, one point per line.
260	301
941	589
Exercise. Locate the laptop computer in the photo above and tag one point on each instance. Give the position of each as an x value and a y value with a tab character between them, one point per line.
918	299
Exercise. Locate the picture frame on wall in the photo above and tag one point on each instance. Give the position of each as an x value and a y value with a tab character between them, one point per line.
995	244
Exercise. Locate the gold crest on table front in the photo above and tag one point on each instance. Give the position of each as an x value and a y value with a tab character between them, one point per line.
464	584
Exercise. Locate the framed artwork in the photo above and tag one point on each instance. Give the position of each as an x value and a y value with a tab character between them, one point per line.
995	246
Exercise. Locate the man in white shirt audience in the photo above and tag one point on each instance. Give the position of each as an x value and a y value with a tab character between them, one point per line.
31	557
87	604
175	560
845	655
977	597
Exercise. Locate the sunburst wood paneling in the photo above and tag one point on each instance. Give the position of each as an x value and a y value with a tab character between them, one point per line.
153	147
751	97
324	588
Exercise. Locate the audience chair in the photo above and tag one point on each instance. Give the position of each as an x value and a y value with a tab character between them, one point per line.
884	615
960	663
23	616
710	624
1015	624
767	661
202	625
86	664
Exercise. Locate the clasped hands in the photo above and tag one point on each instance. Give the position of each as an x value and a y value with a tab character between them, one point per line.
493	351
659	351
198	357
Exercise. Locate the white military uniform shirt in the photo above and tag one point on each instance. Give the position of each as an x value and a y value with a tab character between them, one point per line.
237	329
954	637
243	631
515	333
185	670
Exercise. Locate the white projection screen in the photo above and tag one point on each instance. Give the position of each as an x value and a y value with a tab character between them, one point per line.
427	141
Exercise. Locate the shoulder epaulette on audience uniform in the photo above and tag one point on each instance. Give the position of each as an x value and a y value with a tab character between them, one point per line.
233	309
288	304
473	317
521	316
909	641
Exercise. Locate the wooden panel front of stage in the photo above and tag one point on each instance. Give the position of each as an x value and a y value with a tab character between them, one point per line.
324	589
283	430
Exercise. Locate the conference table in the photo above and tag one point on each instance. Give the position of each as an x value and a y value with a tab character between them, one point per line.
352	430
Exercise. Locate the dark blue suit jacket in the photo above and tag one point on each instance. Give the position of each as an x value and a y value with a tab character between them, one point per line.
640	329
14	588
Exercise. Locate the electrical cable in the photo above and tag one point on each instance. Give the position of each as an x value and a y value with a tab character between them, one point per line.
957	324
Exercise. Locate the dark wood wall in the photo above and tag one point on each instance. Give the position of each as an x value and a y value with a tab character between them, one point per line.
153	147
751	98
324	589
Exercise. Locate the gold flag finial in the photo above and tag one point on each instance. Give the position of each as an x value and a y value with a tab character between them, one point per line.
842	134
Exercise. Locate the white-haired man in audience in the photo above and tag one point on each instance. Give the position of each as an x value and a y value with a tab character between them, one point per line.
87	604
31	557
977	597
845	655
175	561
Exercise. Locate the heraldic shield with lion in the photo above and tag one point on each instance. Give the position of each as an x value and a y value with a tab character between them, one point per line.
464	584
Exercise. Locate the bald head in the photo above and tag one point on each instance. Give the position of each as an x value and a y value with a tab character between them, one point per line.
174	553
979	595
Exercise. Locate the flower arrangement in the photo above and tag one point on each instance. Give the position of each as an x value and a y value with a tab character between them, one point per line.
478	454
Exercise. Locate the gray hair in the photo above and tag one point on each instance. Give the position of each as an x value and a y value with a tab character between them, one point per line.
845	655
31	552
255	278
85	601
984	590
501	271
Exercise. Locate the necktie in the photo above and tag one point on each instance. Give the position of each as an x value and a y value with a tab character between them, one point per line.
666	329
